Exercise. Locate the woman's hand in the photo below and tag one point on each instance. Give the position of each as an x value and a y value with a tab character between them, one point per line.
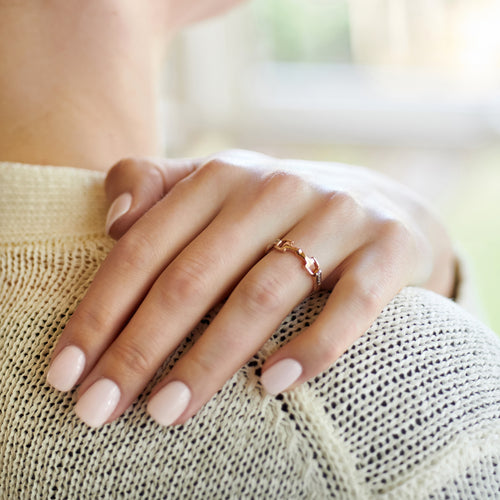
203	238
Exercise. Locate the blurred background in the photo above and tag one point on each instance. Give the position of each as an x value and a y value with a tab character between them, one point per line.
407	87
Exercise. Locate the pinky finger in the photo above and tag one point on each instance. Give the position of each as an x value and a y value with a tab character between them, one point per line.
363	290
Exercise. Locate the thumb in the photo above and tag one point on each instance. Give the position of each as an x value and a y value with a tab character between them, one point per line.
134	185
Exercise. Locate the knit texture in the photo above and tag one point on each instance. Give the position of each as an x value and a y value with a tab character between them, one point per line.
411	410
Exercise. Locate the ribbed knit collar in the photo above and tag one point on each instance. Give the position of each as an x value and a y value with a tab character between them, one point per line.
40	202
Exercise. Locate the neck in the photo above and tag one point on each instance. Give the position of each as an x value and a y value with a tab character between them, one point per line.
77	85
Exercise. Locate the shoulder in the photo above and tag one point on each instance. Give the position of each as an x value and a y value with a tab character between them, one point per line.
413	404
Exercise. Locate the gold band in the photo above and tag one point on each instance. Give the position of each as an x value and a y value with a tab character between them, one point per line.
310	263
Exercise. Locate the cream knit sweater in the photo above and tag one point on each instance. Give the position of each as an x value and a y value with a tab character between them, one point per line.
412	410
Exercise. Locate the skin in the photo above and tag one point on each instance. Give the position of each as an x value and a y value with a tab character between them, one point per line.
197	230
78	80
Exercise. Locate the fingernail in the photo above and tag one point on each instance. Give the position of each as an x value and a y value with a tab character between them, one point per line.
167	405
118	208
66	368
281	376
97	404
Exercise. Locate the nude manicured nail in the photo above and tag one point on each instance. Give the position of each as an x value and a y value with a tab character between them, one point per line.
167	405
97	404
281	376
118	208
66	368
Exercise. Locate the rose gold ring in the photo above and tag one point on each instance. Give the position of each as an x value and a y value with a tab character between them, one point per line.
310	263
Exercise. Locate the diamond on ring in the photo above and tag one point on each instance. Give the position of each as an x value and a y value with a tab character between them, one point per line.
311	265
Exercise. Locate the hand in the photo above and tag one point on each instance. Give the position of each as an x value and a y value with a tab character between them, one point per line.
192	233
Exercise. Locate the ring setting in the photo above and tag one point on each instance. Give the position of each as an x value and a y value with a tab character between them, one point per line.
311	265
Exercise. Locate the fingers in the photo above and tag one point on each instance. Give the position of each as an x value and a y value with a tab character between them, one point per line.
370	279
250	315
253	311
373	275
193	282
135	185
129	272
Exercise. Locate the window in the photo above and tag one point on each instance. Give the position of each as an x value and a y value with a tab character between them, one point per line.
409	87
411	72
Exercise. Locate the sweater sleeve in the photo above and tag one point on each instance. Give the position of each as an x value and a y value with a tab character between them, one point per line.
416	401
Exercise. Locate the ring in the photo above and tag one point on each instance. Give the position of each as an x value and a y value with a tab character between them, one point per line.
311	265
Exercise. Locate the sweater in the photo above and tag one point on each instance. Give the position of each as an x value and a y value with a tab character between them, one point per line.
410	411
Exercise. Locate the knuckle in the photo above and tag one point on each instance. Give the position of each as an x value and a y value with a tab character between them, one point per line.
367	297
395	232
216	173
263	296
325	350
135	252
123	164
284	185
120	169
154	176
187	280
203	363
214	167
343	204
92	320
134	358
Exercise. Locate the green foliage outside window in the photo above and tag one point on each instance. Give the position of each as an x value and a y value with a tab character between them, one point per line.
304	30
